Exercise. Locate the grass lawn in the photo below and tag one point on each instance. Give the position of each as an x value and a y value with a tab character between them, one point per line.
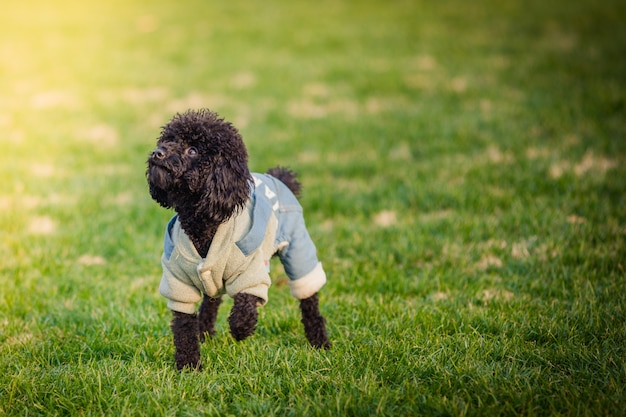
464	171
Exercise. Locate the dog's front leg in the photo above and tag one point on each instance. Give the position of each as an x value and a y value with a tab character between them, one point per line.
314	323
243	316
207	316
185	330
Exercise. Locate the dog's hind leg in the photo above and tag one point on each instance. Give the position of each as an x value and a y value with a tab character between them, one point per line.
314	323
185	330
243	316
207	316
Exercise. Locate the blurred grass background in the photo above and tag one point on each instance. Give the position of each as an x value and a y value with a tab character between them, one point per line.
463	168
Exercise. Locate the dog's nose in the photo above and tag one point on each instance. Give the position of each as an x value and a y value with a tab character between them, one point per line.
158	153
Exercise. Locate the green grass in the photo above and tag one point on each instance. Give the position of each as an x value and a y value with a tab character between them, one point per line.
463	165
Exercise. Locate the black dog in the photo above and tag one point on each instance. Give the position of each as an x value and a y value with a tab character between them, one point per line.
228	224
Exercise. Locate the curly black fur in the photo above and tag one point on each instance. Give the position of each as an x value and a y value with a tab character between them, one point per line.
185	330
314	323
287	177
243	316
200	169
207	315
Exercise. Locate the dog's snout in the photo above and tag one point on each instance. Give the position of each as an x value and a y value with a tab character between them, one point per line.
159	153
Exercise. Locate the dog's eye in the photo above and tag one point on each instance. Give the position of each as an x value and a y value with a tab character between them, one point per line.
192	151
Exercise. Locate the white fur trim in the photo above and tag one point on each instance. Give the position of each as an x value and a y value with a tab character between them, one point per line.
309	284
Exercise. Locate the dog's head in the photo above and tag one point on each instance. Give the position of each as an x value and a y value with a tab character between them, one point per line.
200	160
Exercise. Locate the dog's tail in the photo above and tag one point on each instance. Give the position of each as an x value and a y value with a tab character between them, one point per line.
287	177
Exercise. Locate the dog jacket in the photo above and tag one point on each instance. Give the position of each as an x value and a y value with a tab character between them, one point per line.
239	257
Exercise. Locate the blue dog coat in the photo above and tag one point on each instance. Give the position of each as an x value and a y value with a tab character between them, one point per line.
239	257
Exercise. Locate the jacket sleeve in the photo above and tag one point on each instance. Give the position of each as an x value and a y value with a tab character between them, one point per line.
299	257
181	293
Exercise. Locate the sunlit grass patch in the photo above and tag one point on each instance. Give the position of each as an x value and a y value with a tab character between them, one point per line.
463	172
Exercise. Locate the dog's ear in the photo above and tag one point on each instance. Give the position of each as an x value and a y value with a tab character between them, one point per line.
227	187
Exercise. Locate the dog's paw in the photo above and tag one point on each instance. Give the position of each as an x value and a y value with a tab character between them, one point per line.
188	366
188	357
314	323
315	331
243	316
